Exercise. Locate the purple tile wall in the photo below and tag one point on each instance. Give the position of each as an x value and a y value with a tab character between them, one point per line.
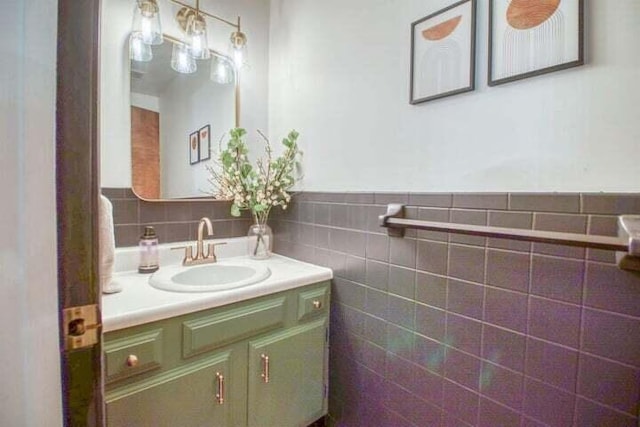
173	221
442	330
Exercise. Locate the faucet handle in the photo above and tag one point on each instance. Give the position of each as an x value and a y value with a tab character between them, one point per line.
211	250
188	253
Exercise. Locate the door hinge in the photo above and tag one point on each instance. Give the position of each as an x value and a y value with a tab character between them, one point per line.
81	326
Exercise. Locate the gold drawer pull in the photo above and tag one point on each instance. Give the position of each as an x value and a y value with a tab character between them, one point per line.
265	368
220	394
132	361
317	304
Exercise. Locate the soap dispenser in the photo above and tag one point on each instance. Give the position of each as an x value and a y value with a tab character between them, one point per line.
148	251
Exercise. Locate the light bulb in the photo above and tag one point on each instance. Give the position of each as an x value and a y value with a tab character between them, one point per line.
197	36
138	49
147	33
146	21
238	50
238	57
181	59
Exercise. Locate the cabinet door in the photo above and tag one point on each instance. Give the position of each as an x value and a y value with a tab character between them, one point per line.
288	388
190	396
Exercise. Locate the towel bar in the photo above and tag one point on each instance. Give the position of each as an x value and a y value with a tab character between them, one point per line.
626	245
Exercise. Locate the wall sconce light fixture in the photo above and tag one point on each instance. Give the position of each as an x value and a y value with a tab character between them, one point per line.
194	25
181	59
138	49
147	31
238	47
146	22
222	71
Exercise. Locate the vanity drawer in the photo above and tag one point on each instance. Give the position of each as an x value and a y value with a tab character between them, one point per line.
313	302
232	324
133	355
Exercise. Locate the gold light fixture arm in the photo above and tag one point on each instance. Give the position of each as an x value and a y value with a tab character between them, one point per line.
197	10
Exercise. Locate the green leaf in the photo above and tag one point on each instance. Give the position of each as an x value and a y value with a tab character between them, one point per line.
235	210
246	169
227	159
237	133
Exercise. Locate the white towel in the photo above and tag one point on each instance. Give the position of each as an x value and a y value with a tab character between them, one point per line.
107	247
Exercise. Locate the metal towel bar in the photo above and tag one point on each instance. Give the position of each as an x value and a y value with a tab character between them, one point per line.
626	245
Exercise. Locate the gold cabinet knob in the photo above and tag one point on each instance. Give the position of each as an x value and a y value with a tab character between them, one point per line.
132	361
317	304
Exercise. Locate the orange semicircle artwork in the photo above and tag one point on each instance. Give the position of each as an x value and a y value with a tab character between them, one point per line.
526	14
442	30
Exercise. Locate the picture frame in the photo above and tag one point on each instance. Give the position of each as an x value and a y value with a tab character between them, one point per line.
443	55
194	147
204	138
528	39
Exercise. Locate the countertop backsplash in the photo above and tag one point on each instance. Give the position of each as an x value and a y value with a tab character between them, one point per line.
126	258
174	221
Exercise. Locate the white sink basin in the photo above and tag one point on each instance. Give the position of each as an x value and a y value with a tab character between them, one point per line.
209	277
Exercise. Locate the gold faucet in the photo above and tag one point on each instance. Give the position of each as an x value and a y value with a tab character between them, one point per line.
200	257
199	243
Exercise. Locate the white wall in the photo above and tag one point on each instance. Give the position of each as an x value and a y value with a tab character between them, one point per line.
339	74
29	356
115	121
185	107
146	102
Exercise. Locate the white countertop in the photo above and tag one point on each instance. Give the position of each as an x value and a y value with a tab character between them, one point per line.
140	303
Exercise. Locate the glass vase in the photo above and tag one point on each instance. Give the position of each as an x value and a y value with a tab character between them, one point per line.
260	240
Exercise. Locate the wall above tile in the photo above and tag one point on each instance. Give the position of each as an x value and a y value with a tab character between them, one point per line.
574	130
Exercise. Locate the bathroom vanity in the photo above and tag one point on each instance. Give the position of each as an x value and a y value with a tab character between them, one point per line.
251	356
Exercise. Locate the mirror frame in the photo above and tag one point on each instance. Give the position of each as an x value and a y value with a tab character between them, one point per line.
236	124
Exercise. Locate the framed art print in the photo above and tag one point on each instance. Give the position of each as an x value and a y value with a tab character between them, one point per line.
204	137
532	37
443	53
194	148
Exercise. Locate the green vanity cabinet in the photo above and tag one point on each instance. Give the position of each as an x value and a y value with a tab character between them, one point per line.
185	397
260	362
287	377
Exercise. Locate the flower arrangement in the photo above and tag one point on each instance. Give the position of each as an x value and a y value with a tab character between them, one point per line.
258	188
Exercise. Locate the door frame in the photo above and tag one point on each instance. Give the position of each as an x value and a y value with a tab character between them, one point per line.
77	198
30	357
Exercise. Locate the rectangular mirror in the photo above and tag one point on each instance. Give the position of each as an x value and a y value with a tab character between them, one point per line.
180	115
177	121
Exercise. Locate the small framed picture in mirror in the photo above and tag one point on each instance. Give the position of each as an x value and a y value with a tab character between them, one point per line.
194	148
204	137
